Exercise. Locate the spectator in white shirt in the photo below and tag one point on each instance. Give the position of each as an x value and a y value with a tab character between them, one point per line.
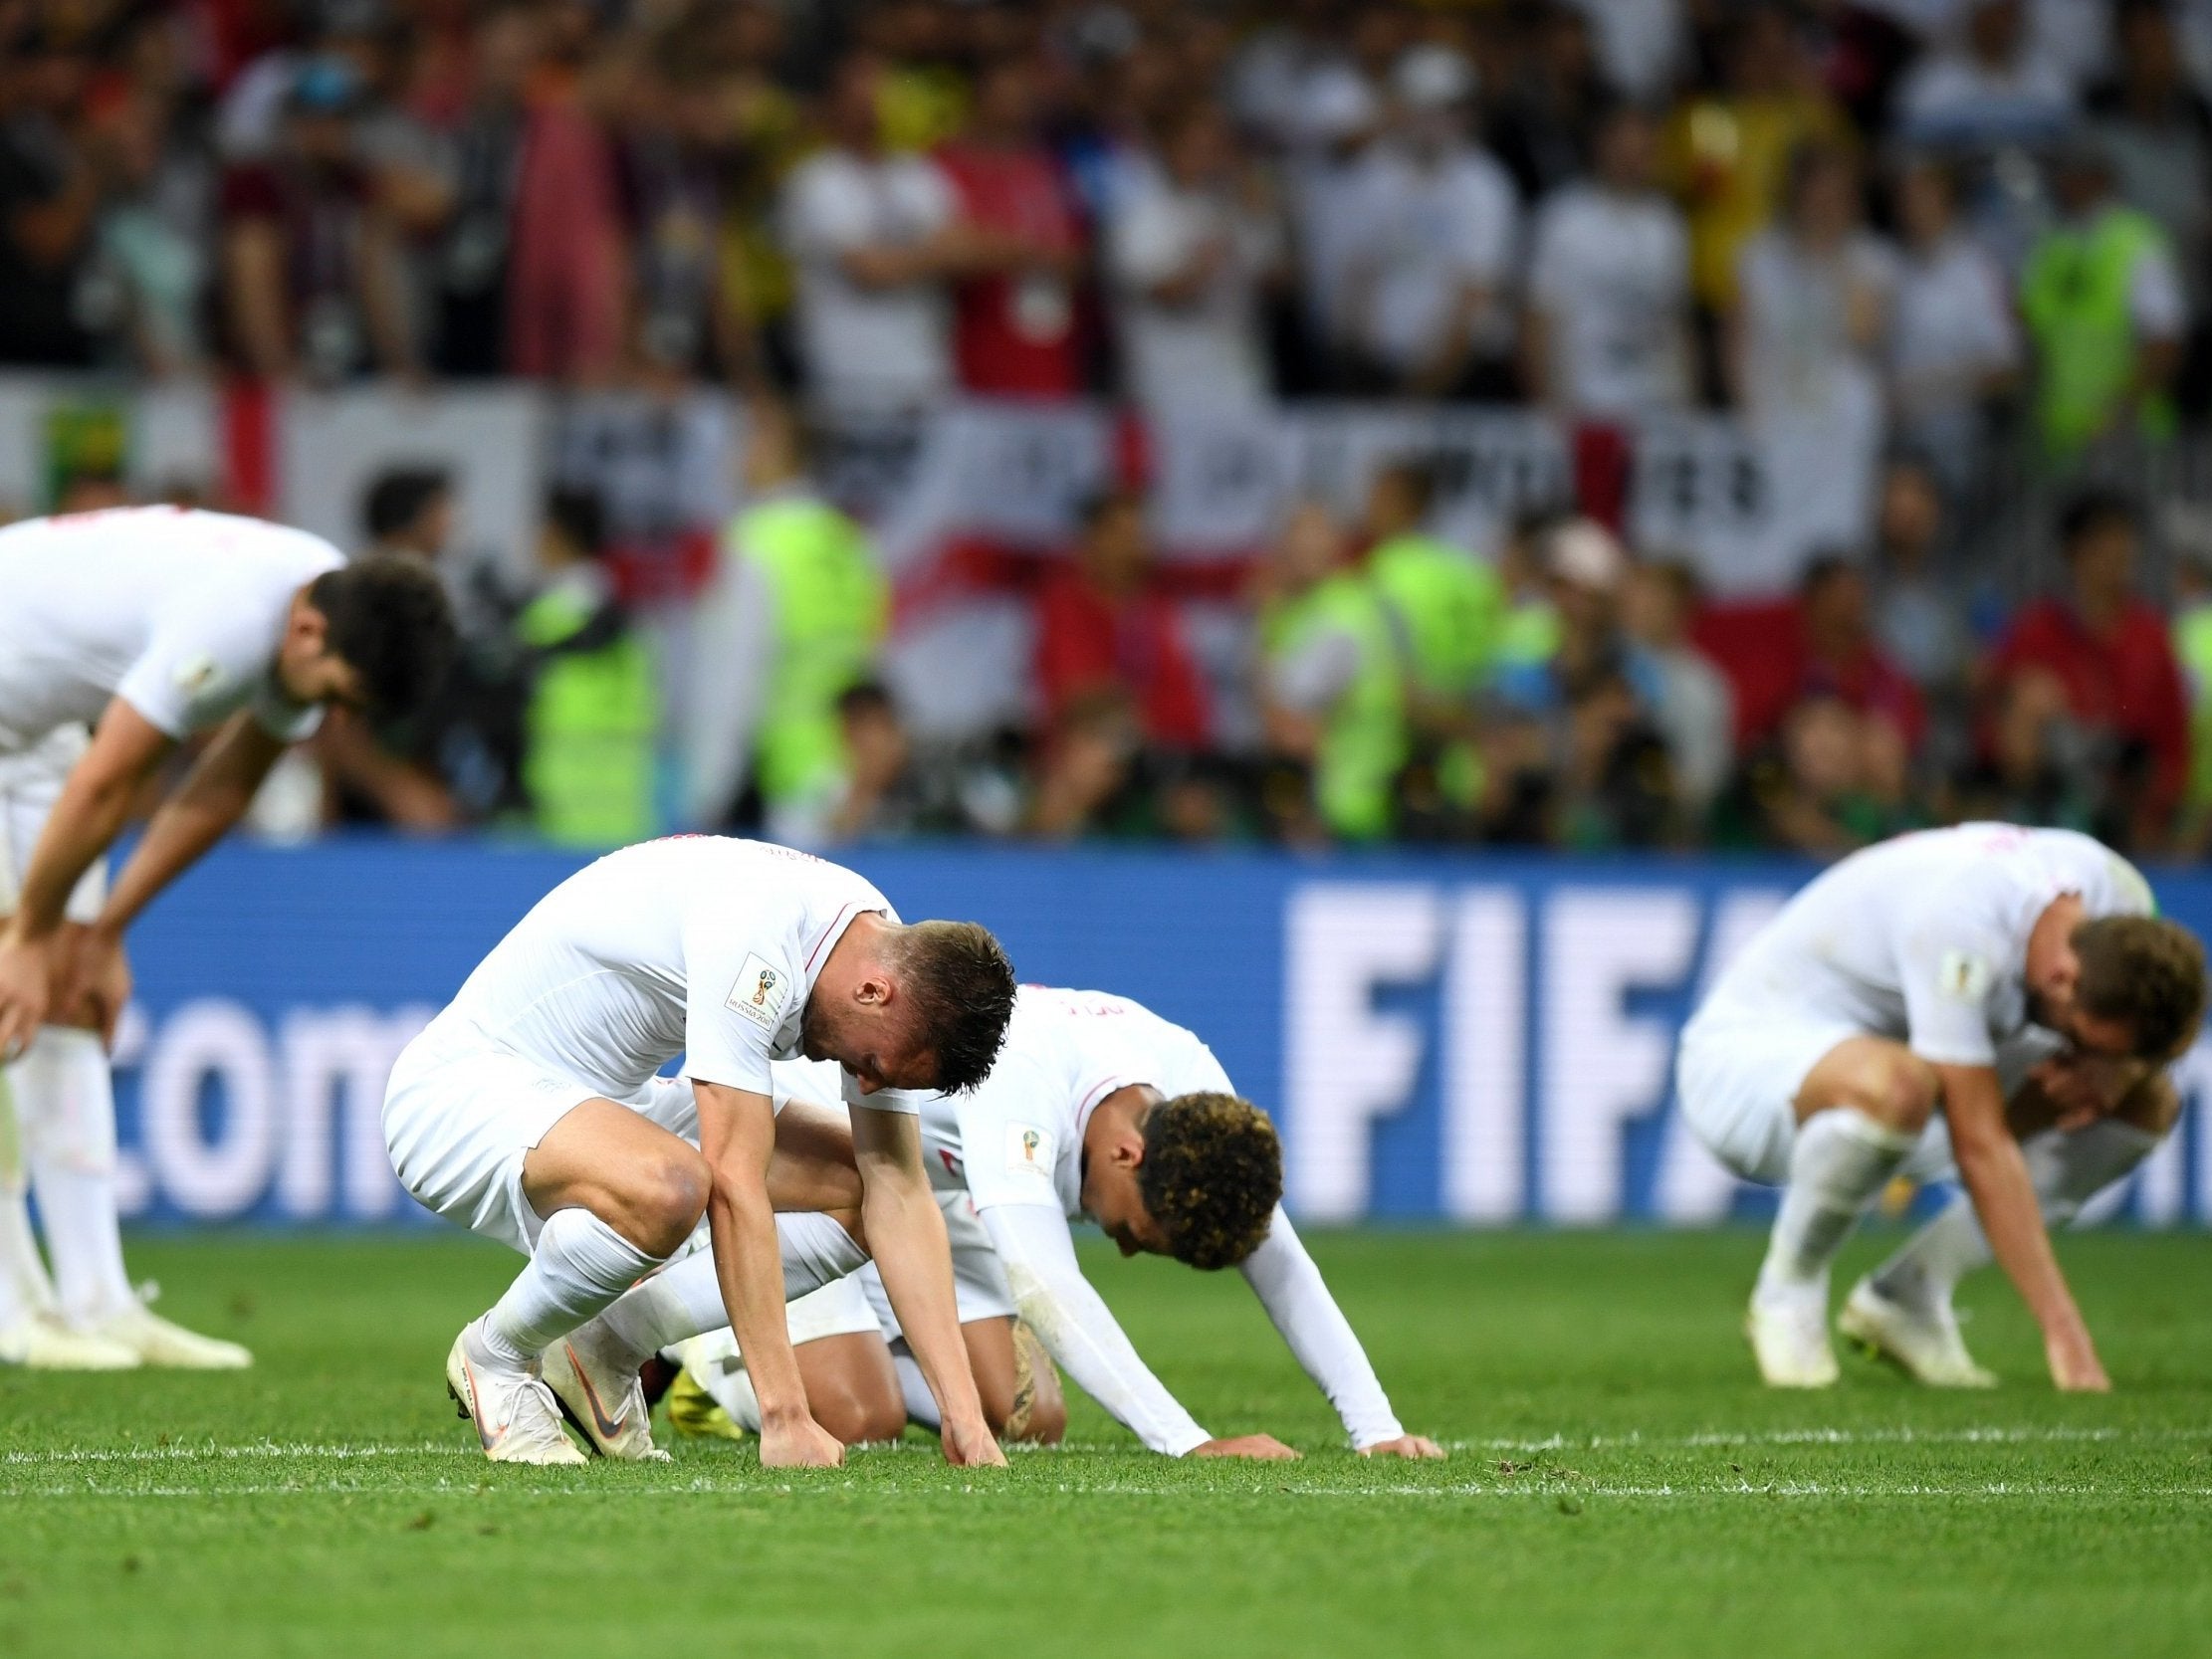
1815	298
1190	248
1609	285
875	241
1339	123
1992	88
1952	343
1430	299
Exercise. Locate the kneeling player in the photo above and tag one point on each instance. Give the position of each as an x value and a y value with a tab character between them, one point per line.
529	1112
1993	997
1098	1109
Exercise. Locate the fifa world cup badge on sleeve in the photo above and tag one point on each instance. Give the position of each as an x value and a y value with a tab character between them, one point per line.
1963	975
760	994
1030	1151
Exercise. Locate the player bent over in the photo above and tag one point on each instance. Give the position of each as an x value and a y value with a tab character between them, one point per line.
1098	1108
152	626
526	1112
1997	999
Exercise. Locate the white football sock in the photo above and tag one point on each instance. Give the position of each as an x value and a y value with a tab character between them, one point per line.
24	1287
685	1298
66	1098
2067	1169
1841	1160
921	1404
581	1265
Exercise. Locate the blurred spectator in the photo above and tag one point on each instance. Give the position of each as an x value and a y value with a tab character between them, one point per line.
880	793
1429	296
472	243
1693	709
2156	131
593	712
922	97
1609	285
1544	124
1340	120
1192	243
876	240
1445	608
2104	311
409	510
1990	87
2112	652
1839	656
1814	305
1086	764
1833	780
315	283
1640	44
1332	691
49	202
1954	345
792	618
1727	152
156	224
2036	766
1014	329
1103	627
2192	649
1919	613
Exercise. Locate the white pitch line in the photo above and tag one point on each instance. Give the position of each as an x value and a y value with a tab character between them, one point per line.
1714	1439
266	1448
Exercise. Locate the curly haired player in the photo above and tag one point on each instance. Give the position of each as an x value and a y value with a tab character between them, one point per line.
1097	1107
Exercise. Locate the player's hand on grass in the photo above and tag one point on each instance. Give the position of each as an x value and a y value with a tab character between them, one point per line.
1418	1447
2074	1368
1264	1447
973	1446
26	991
799	1443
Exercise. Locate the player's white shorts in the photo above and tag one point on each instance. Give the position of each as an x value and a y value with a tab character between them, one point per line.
30	784
1737	1075
460	1117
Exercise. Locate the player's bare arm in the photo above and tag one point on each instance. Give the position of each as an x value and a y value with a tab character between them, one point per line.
1996	1177
906	1235
737	1136
125	750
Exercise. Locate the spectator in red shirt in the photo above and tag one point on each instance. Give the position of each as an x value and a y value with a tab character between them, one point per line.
1014	327
1102	627
2112	654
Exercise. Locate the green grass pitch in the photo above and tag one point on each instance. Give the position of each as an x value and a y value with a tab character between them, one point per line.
1618	1484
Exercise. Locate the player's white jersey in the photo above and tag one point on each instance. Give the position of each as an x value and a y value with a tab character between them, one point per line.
1017	1136
178	612
696	944
1924	939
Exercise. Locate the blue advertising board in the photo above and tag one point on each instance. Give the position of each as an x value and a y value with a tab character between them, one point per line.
1457	1039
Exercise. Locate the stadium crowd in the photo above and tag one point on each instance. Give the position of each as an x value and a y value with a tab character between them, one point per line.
1965	231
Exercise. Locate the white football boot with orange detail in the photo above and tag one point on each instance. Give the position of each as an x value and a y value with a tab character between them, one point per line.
596	1383
514	1412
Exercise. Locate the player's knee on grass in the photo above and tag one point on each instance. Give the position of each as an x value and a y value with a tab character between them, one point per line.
1015	1379
1887	1081
853	1389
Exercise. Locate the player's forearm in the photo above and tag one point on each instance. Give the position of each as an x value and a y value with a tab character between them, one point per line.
204	809
905	1236
1996	1177
1289	1286
85	823
748	1267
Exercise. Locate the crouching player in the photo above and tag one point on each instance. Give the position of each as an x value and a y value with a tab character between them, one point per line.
1098	1109
1996	999
529	1112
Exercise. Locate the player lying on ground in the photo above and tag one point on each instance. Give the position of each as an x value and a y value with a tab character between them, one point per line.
1097	1109
1993	998
526	1110
152	625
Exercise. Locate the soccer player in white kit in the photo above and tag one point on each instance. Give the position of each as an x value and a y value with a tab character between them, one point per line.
1099	1110
1997	999
151	626
530	1110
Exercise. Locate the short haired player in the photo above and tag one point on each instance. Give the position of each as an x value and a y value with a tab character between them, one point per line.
1098	1109
151	626
530	1110
1989	999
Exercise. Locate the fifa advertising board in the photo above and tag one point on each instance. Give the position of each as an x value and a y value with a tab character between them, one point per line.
1443	1039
